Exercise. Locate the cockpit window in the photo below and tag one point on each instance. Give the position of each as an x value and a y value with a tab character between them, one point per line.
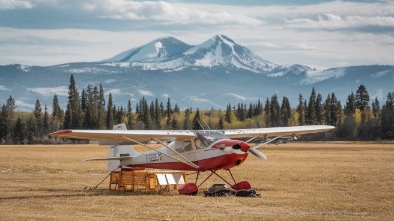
181	147
208	137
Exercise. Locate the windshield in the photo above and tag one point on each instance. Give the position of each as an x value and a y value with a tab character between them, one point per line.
208	137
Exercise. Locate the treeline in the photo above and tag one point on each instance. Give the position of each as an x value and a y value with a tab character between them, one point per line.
355	120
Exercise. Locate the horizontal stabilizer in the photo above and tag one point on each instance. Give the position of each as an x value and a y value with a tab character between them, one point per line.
111	158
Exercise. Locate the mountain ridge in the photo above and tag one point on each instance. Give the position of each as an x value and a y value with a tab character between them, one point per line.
211	74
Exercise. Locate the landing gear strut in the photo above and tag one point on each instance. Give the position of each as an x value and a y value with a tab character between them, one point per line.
192	188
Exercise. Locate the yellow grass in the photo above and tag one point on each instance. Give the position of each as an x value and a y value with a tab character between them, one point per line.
299	181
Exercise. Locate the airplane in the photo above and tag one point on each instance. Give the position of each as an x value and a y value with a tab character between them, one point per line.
187	150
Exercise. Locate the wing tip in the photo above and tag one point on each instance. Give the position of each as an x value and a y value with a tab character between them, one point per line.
60	132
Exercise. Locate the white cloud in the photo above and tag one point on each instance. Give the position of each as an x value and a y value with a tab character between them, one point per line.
236	96
162	11
3	88
22	105
378	94
113	92
146	93
50	91
197	99
165	95
15	4
110	81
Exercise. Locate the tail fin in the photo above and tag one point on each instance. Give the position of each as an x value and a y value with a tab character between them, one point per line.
119	152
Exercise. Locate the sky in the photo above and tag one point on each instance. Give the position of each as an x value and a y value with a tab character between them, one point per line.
317	33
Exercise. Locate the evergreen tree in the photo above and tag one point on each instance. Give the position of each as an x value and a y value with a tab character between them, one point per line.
7	120
130	116
301	110
186	122
388	117
196	121
109	122
74	112
350	107
174	123
46	120
228	115
275	111
157	114
251	111
285	111
19	131
319	109
57	114
267	111
176	109
101	117
221	123
327	110
38	118
362	98
376	108
311	113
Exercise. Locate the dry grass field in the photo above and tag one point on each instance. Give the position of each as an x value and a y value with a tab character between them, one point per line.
299	181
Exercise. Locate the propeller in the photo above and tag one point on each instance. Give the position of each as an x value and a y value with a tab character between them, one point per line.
257	153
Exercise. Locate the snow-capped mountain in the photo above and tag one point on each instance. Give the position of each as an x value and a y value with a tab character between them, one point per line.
159	50
170	53
212	74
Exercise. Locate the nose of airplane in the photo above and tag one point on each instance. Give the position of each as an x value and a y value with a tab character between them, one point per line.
244	146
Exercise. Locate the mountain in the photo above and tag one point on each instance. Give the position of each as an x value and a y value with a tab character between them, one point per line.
211	74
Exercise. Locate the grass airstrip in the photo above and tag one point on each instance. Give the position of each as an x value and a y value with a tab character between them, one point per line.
299	181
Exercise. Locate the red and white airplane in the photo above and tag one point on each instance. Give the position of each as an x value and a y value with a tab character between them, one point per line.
190	150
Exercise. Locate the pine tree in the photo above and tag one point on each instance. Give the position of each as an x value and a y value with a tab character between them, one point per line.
7	120
388	117
311	113
57	114
327	110
38	118
221	123
228	115
275	111
73	117
350	107
267	111
130	116
301	110
109	122
186	122
376	108
196	121
362	98
19	131
101	118
46	120
285	111
319	109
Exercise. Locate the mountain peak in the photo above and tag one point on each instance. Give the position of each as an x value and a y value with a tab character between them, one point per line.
158	50
170	53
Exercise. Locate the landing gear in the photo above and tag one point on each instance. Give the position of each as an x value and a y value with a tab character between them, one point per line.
192	188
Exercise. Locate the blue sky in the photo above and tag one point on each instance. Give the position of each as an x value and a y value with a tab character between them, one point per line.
319	34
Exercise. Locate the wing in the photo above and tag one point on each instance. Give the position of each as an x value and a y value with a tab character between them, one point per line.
119	135
277	131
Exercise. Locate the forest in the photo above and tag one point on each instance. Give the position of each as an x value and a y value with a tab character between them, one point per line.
90	109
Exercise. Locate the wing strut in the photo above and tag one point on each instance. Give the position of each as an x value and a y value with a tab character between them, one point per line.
175	158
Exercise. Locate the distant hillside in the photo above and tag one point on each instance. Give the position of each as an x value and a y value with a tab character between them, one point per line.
212	74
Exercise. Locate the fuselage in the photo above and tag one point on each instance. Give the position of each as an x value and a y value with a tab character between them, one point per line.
209	151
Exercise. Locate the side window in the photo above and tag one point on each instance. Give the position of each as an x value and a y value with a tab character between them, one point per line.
181	147
199	144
